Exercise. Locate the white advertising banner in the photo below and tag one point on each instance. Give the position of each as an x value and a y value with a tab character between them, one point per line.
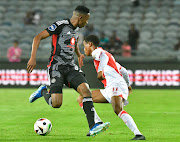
138	77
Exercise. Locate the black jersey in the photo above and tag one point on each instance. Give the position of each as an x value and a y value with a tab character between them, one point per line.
64	39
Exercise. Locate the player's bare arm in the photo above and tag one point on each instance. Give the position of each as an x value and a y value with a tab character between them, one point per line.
36	41
130	89
80	56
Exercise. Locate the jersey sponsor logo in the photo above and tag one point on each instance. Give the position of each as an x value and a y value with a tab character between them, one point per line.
52	27
53	80
76	67
70	46
73	41
69	33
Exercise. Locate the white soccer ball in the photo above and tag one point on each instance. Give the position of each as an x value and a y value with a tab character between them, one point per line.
42	126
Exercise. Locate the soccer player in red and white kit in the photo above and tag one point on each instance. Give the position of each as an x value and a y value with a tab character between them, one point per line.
116	85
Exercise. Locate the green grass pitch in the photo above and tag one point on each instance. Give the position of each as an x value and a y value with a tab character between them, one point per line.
156	113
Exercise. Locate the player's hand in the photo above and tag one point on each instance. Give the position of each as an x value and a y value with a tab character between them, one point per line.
31	65
130	89
80	60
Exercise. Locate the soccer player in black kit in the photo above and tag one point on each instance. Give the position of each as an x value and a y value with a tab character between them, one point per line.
62	68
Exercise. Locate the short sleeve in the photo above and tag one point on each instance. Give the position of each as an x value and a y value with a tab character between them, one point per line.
96	54
118	66
56	27
103	61
125	75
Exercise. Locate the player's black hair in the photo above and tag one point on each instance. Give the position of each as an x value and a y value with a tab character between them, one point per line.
92	38
82	9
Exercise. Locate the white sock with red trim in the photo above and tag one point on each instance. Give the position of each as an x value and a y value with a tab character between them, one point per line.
128	120
97	118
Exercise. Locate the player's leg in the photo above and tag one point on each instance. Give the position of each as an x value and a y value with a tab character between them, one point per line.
97	97
56	77
118	103
38	93
57	99
79	83
95	123
54	97
88	107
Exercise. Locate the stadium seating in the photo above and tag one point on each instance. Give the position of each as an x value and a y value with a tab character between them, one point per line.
157	21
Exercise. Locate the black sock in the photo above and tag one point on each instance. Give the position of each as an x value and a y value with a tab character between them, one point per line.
89	111
46	95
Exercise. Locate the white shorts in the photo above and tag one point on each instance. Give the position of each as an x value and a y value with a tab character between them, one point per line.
118	89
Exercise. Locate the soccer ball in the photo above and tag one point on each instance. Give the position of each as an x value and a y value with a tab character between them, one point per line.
42	126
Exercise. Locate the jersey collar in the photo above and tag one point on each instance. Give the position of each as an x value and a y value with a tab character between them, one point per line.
71	25
100	47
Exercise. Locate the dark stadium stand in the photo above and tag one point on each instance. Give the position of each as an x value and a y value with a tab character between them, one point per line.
157	21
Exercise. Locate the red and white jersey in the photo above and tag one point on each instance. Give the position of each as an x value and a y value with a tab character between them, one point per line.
105	62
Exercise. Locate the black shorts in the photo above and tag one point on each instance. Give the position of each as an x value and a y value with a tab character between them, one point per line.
72	77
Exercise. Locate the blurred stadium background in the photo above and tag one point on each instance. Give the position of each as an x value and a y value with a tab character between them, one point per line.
156	20
154	68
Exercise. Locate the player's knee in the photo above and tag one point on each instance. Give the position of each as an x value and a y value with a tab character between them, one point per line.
86	93
84	90
56	105
117	109
56	100
94	100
